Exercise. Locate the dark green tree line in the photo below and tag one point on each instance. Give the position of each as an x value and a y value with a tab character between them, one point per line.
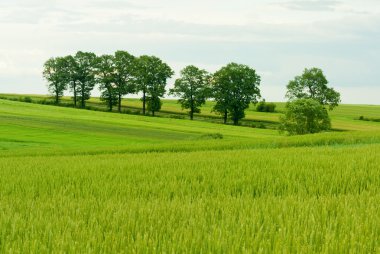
233	88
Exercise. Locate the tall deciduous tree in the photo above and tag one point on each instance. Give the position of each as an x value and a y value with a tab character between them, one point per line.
55	72
85	75
312	84
152	75
235	86
72	77
192	88
105	77
125	78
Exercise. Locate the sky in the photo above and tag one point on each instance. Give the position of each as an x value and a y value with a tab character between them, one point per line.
278	38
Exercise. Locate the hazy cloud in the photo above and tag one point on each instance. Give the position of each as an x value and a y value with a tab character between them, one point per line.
311	5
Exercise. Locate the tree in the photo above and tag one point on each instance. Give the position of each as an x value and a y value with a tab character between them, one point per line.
125	80
152	75
304	116
192	88
55	72
235	86
105	77
72	76
85	63
313	84
154	104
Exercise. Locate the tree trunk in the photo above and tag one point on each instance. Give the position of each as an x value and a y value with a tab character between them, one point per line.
119	103
83	103
75	94
144	102
225	116
236	119
56	97
191	109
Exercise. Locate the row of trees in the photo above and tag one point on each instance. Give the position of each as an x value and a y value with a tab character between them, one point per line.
233	87
117	75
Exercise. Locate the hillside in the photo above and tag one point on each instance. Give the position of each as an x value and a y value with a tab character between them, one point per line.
87	181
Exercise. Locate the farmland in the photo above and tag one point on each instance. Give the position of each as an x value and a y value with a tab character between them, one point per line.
88	181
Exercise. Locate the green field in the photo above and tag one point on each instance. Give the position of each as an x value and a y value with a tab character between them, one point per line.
82	181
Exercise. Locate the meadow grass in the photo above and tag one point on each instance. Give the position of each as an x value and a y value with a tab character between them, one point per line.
344	117
79	181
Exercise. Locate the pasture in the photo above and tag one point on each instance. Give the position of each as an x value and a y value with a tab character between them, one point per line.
81	181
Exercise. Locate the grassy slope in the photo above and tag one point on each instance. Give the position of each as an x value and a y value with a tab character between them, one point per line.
239	194
343	117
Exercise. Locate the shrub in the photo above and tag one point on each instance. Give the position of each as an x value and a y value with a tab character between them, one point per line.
27	99
177	116
262	126
304	116
212	136
263	106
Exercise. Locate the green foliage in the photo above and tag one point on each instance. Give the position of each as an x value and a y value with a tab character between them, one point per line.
105	77
362	118
312	84
235	86
84	72
304	116
192	88
263	106
124	75
212	136
151	77
154	104
72	76
27	99
55	72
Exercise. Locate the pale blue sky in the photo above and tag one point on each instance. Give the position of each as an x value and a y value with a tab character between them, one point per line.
278	38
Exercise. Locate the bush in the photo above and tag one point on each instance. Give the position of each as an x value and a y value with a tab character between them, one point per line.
262	126
177	116
27	99
212	136
304	116
265	107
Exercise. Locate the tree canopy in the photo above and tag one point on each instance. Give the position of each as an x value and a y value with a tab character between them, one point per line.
85	74
192	88
125	75
151	77
312	84
235	86
55	72
105	77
